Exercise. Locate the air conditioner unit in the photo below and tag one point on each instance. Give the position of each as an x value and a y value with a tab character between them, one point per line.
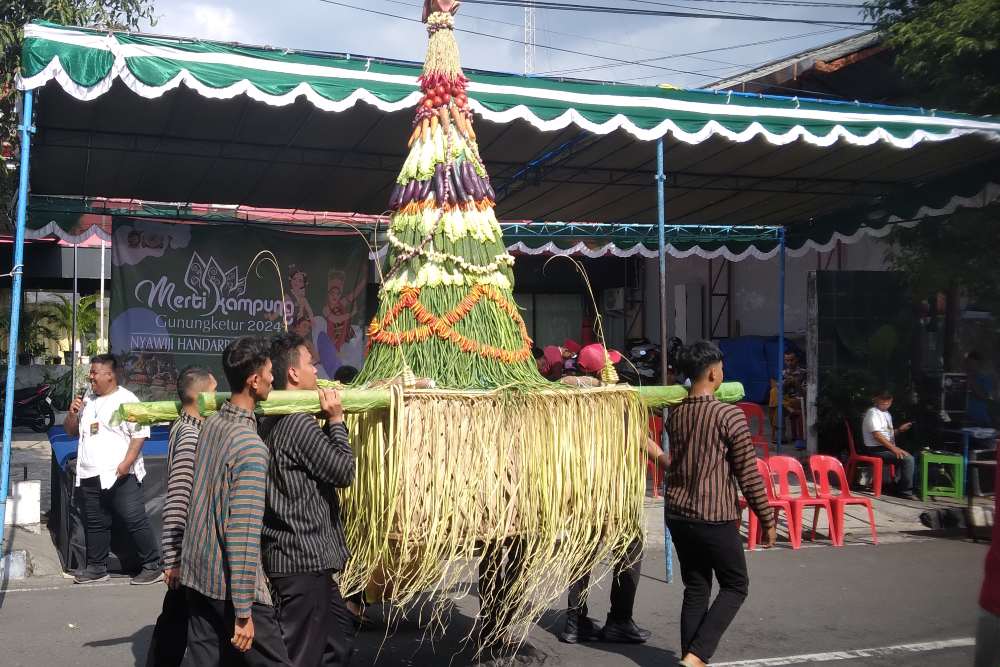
614	299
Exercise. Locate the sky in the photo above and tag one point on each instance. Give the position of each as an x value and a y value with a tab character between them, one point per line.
329	25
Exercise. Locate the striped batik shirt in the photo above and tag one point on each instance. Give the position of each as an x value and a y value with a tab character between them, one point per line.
220	557
180	475
710	454
302	527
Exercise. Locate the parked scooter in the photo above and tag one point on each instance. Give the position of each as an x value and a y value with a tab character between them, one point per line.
33	408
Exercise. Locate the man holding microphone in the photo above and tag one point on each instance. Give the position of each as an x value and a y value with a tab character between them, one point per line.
109	474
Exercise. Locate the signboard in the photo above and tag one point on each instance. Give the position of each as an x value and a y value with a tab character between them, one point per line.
181	293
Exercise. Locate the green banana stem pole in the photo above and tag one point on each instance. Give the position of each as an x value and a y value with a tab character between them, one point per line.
363	400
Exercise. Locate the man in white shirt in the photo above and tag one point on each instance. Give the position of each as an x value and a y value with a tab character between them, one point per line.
880	441
109	473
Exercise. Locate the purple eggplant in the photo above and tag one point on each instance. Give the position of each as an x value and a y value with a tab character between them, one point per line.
489	190
477	184
439	188
425	187
414	190
463	171
394	196
456	182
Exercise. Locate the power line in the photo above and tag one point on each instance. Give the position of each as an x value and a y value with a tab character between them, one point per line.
596	40
775	3
647	62
518	41
721	11
558	6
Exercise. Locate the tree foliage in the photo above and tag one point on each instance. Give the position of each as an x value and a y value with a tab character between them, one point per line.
14	14
949	49
953	252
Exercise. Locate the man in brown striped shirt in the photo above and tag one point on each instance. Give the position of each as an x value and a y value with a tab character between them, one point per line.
231	617
711	452
170	634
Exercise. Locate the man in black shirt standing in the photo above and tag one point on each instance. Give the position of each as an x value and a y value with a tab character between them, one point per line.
302	542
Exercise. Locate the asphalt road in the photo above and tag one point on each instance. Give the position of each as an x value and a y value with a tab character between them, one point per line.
813	601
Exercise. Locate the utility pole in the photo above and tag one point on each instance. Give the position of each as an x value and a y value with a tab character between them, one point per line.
529	37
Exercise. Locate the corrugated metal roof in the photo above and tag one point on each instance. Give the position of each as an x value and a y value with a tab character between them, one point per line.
801	62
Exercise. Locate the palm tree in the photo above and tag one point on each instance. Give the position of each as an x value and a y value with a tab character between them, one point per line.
60	316
33	331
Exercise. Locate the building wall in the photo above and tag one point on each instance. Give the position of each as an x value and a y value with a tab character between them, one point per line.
755	287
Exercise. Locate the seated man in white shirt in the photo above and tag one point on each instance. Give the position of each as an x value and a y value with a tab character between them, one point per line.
880	441
109	473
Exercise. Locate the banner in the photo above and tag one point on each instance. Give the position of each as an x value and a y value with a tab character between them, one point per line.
181	293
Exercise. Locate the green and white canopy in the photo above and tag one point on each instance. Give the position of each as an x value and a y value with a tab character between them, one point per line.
169	119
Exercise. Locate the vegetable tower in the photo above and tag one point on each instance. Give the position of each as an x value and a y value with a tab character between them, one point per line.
494	458
447	310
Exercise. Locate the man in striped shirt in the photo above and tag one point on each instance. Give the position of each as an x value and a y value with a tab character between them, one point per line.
711	452
170	634
220	556
303	541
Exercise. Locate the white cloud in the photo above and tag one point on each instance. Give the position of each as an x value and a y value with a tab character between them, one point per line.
206	21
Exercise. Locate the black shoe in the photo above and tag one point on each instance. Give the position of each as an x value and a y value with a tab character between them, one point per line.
626	632
90	577
906	495
147	577
580	629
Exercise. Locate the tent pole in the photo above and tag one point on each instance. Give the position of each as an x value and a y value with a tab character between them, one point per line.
781	338
26	129
72	338
662	254
100	325
661	232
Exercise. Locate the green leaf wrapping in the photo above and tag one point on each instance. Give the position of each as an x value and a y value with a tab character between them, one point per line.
363	400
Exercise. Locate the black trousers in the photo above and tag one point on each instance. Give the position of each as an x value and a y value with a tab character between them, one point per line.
340	638
315	624
500	564
905	467
125	500
704	549
166	649
210	631
623	587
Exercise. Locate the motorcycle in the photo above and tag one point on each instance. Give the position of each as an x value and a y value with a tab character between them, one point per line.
33	408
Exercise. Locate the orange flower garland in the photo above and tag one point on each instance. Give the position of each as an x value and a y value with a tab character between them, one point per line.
431	324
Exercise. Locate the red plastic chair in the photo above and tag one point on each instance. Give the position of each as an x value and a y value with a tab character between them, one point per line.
785	467
822	467
652	468
752	412
776	504
855	459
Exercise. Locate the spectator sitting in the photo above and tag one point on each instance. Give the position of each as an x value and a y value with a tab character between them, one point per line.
880	439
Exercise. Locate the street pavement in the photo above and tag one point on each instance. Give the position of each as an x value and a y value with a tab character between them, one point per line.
817	600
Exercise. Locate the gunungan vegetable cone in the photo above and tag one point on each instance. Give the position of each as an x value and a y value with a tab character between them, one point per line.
446	307
446	477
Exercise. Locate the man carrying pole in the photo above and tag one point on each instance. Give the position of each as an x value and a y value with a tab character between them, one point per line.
303	542
220	557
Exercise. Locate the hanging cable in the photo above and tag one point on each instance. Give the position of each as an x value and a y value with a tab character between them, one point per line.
574	7
620	61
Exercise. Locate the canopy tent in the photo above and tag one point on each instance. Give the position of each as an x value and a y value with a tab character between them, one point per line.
177	120
168	119
79	219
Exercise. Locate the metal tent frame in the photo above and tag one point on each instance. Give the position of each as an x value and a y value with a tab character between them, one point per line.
680	232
